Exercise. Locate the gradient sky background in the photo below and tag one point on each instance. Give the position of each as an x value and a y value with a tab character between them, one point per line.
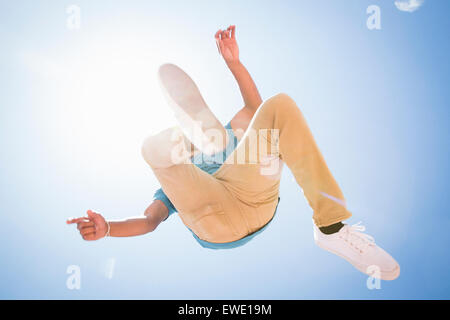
75	106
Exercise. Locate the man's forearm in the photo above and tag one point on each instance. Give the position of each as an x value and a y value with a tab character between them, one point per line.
130	227
250	93
136	226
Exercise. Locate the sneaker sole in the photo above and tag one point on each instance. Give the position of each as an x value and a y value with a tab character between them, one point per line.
185	99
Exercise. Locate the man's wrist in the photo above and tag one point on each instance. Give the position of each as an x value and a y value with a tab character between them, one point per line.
108	230
232	65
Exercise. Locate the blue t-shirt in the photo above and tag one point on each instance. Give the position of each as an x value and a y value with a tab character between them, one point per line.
210	164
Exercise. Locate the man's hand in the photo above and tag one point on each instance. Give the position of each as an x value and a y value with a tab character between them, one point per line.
228	48
92	227
227	45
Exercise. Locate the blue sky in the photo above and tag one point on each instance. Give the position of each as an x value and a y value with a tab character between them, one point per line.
75	106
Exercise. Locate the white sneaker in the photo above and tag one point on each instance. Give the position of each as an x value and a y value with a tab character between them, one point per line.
194	117
360	250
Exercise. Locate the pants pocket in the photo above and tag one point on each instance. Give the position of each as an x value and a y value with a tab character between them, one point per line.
212	224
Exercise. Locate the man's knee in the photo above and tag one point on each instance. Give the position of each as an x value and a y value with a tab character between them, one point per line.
149	149
281	102
284	100
164	149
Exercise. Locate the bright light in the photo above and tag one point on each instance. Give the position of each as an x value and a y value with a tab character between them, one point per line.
99	102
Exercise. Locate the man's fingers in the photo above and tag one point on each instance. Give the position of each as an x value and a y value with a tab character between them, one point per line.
230	32
91	214
87	230
217	37
233	32
85	224
217	44
221	35
77	220
221	47
89	237
224	35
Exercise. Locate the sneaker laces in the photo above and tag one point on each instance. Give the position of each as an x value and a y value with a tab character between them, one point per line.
356	238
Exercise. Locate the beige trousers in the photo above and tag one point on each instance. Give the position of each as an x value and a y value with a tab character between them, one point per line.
242	195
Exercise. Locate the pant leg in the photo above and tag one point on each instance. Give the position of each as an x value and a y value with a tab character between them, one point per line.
297	148
204	205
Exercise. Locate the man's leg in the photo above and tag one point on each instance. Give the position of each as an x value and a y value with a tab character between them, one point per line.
302	155
195	118
204	204
167	148
297	148
280	125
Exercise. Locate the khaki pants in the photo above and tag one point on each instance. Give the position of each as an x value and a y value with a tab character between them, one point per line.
242	195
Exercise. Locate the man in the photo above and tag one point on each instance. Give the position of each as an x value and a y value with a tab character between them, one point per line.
232	193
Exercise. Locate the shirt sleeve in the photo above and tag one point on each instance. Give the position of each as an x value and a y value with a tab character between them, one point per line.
160	195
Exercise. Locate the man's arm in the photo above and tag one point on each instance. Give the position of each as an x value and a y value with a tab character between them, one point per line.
94	226
250	93
228	48
135	226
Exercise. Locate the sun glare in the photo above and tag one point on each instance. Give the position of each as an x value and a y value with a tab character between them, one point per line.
105	100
